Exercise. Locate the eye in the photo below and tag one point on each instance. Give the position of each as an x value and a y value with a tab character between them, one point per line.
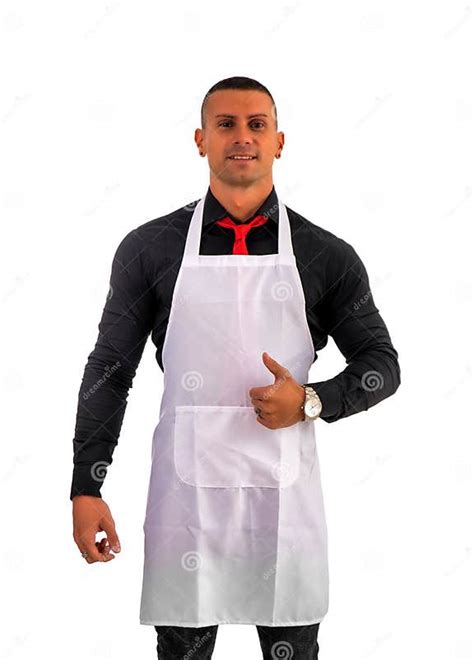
228	121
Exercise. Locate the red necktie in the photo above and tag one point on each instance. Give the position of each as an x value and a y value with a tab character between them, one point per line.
241	230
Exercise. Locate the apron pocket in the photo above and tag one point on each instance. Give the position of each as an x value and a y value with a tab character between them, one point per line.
225	447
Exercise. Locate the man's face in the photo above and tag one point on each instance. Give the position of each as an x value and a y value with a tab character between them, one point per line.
239	122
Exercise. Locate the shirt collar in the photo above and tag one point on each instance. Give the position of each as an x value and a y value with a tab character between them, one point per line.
213	209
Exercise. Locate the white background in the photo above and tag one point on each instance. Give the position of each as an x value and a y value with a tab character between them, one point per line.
99	102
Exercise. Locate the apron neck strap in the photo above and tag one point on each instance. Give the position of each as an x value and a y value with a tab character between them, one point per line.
193	238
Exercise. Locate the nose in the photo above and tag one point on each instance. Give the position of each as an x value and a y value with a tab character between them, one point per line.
241	135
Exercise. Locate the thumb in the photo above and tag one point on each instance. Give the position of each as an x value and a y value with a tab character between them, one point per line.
275	367
109	528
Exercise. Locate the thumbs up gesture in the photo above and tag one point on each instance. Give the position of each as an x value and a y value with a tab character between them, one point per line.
279	403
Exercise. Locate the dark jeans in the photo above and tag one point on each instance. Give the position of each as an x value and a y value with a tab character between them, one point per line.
288	642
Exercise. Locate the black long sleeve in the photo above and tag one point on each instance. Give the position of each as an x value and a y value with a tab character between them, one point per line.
126	322
352	319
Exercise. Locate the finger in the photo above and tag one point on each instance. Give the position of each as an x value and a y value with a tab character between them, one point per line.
268	421
272	365
256	393
265	408
108	525
90	557
261	393
86	545
104	548
93	554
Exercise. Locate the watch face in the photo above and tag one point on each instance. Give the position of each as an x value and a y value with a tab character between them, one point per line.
312	408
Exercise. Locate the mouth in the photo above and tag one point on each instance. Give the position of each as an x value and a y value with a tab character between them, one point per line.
242	158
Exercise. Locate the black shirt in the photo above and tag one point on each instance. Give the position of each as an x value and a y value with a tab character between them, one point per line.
339	304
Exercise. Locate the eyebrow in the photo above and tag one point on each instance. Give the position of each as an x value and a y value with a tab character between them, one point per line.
259	114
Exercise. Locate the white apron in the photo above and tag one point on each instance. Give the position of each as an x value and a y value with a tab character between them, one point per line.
235	528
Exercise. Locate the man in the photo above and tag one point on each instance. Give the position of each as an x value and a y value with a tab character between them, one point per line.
239	292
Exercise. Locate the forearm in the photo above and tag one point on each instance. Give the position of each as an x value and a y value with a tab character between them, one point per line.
101	405
368	379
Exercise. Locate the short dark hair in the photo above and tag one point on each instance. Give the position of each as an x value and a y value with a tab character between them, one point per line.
237	82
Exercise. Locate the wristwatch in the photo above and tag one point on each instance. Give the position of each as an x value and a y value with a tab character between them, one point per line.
312	405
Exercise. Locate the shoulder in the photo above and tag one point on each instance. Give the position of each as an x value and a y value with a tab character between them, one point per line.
160	228
156	240
316	241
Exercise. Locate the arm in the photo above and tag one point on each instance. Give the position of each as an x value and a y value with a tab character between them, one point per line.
351	318
126	322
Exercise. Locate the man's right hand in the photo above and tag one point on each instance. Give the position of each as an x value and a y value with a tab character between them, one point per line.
90	516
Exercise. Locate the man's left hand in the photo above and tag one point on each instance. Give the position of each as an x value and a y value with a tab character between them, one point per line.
279	403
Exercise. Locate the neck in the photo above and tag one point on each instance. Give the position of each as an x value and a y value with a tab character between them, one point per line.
241	202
